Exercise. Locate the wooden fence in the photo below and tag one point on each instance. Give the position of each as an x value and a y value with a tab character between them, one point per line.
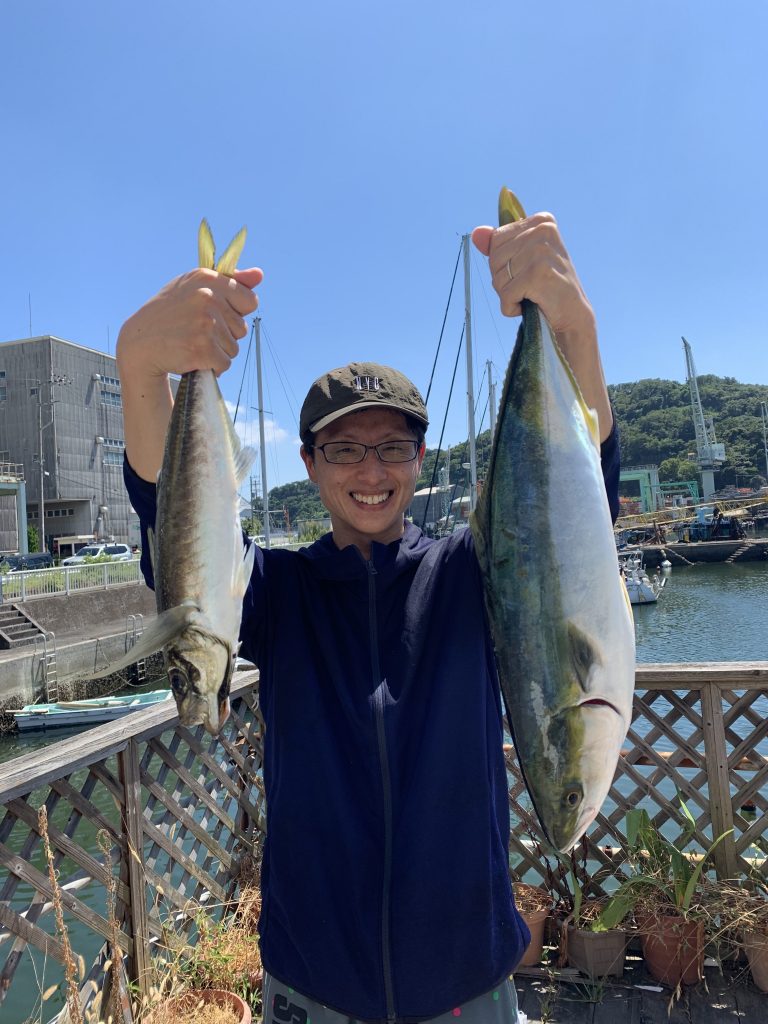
183	812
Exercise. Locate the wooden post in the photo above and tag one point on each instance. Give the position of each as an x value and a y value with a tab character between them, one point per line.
725	855
140	965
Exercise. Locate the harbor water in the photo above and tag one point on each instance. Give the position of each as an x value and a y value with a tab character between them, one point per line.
713	612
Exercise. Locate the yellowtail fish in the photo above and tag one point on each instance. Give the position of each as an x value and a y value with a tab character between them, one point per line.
200	562
559	613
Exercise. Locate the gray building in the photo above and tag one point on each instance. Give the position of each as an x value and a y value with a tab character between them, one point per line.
61	419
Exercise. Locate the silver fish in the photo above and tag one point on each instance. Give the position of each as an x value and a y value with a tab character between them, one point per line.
200	561
559	613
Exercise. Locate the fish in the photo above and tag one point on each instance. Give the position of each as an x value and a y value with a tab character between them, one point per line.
200	560
558	611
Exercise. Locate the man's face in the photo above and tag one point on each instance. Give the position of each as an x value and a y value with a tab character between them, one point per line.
367	499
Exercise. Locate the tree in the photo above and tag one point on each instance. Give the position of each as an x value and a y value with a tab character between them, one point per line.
33	539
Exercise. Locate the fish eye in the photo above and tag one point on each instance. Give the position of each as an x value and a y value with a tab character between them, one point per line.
572	798
178	682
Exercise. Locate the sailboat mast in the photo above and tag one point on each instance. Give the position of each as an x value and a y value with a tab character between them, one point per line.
264	488
491	398
470	379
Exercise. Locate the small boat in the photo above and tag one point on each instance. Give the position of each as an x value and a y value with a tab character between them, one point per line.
69	713
640	587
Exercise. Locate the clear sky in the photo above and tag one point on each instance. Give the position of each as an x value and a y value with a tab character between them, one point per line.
358	142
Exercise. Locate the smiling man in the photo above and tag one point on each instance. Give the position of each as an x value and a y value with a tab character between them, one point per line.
362	428
385	880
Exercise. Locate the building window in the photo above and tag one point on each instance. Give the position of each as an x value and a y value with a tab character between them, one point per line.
33	392
113	442
112	381
112	459
112	398
3	388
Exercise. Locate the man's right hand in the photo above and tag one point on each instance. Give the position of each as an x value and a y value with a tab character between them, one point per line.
194	323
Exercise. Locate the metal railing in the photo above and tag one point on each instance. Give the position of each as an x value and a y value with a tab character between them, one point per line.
67	579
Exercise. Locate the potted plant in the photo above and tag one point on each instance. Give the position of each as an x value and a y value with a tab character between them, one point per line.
663	890
216	978
203	1006
535	906
592	938
742	913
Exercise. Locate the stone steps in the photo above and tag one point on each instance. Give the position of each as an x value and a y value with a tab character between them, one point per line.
16	628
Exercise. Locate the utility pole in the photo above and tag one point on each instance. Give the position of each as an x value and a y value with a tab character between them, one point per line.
491	400
54	379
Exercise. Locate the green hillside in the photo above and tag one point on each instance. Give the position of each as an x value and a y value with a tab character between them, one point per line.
656	428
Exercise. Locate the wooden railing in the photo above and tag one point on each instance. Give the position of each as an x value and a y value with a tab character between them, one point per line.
700	731
178	809
182	812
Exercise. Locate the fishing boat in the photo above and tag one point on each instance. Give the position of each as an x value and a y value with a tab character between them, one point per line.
641	588
69	713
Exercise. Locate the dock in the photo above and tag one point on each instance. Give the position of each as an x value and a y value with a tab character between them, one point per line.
749	549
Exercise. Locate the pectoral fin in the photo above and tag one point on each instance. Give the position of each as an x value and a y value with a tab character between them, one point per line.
163	629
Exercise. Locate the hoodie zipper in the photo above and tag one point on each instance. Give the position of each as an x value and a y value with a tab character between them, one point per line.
386	785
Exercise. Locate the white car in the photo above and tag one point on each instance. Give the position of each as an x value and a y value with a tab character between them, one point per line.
116	552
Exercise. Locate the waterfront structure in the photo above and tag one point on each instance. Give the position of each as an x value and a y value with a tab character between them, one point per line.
61	420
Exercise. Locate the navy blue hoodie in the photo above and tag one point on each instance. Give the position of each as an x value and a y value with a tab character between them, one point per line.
385	882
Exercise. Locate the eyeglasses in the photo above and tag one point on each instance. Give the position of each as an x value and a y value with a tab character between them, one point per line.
347	452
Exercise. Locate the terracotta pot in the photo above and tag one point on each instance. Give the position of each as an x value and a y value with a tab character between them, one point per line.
536	921
756	948
598	954
218	997
528	897
673	949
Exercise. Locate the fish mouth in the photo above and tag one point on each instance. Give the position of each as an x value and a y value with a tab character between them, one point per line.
198	710
600	702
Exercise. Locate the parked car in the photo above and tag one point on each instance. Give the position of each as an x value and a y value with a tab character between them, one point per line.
35	560
116	552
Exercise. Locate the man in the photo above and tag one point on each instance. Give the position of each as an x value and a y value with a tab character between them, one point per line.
386	893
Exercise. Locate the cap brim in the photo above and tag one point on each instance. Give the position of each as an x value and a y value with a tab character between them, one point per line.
358	407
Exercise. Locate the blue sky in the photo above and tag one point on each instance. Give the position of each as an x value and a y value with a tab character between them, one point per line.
358	142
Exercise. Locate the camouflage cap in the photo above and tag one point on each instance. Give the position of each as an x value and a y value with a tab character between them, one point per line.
359	386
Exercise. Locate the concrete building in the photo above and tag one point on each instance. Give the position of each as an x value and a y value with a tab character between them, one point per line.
61	419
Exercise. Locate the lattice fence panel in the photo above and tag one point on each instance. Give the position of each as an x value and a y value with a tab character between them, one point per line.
177	810
672	748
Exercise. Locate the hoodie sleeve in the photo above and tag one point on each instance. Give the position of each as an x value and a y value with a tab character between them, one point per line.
143	497
611	464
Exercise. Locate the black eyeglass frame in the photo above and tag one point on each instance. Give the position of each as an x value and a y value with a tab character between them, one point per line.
367	448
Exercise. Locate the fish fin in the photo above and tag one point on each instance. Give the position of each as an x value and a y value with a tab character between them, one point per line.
243	461
589	414
227	263
151	539
165	627
244	572
581	653
510	207
206	250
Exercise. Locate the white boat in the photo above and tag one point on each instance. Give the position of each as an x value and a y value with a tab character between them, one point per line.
68	713
641	588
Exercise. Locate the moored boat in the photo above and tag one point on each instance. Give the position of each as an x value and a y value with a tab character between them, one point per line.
69	713
641	588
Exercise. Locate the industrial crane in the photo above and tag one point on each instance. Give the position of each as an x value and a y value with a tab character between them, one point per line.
710	454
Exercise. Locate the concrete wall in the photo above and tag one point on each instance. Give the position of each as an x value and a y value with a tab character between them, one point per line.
86	610
90	629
